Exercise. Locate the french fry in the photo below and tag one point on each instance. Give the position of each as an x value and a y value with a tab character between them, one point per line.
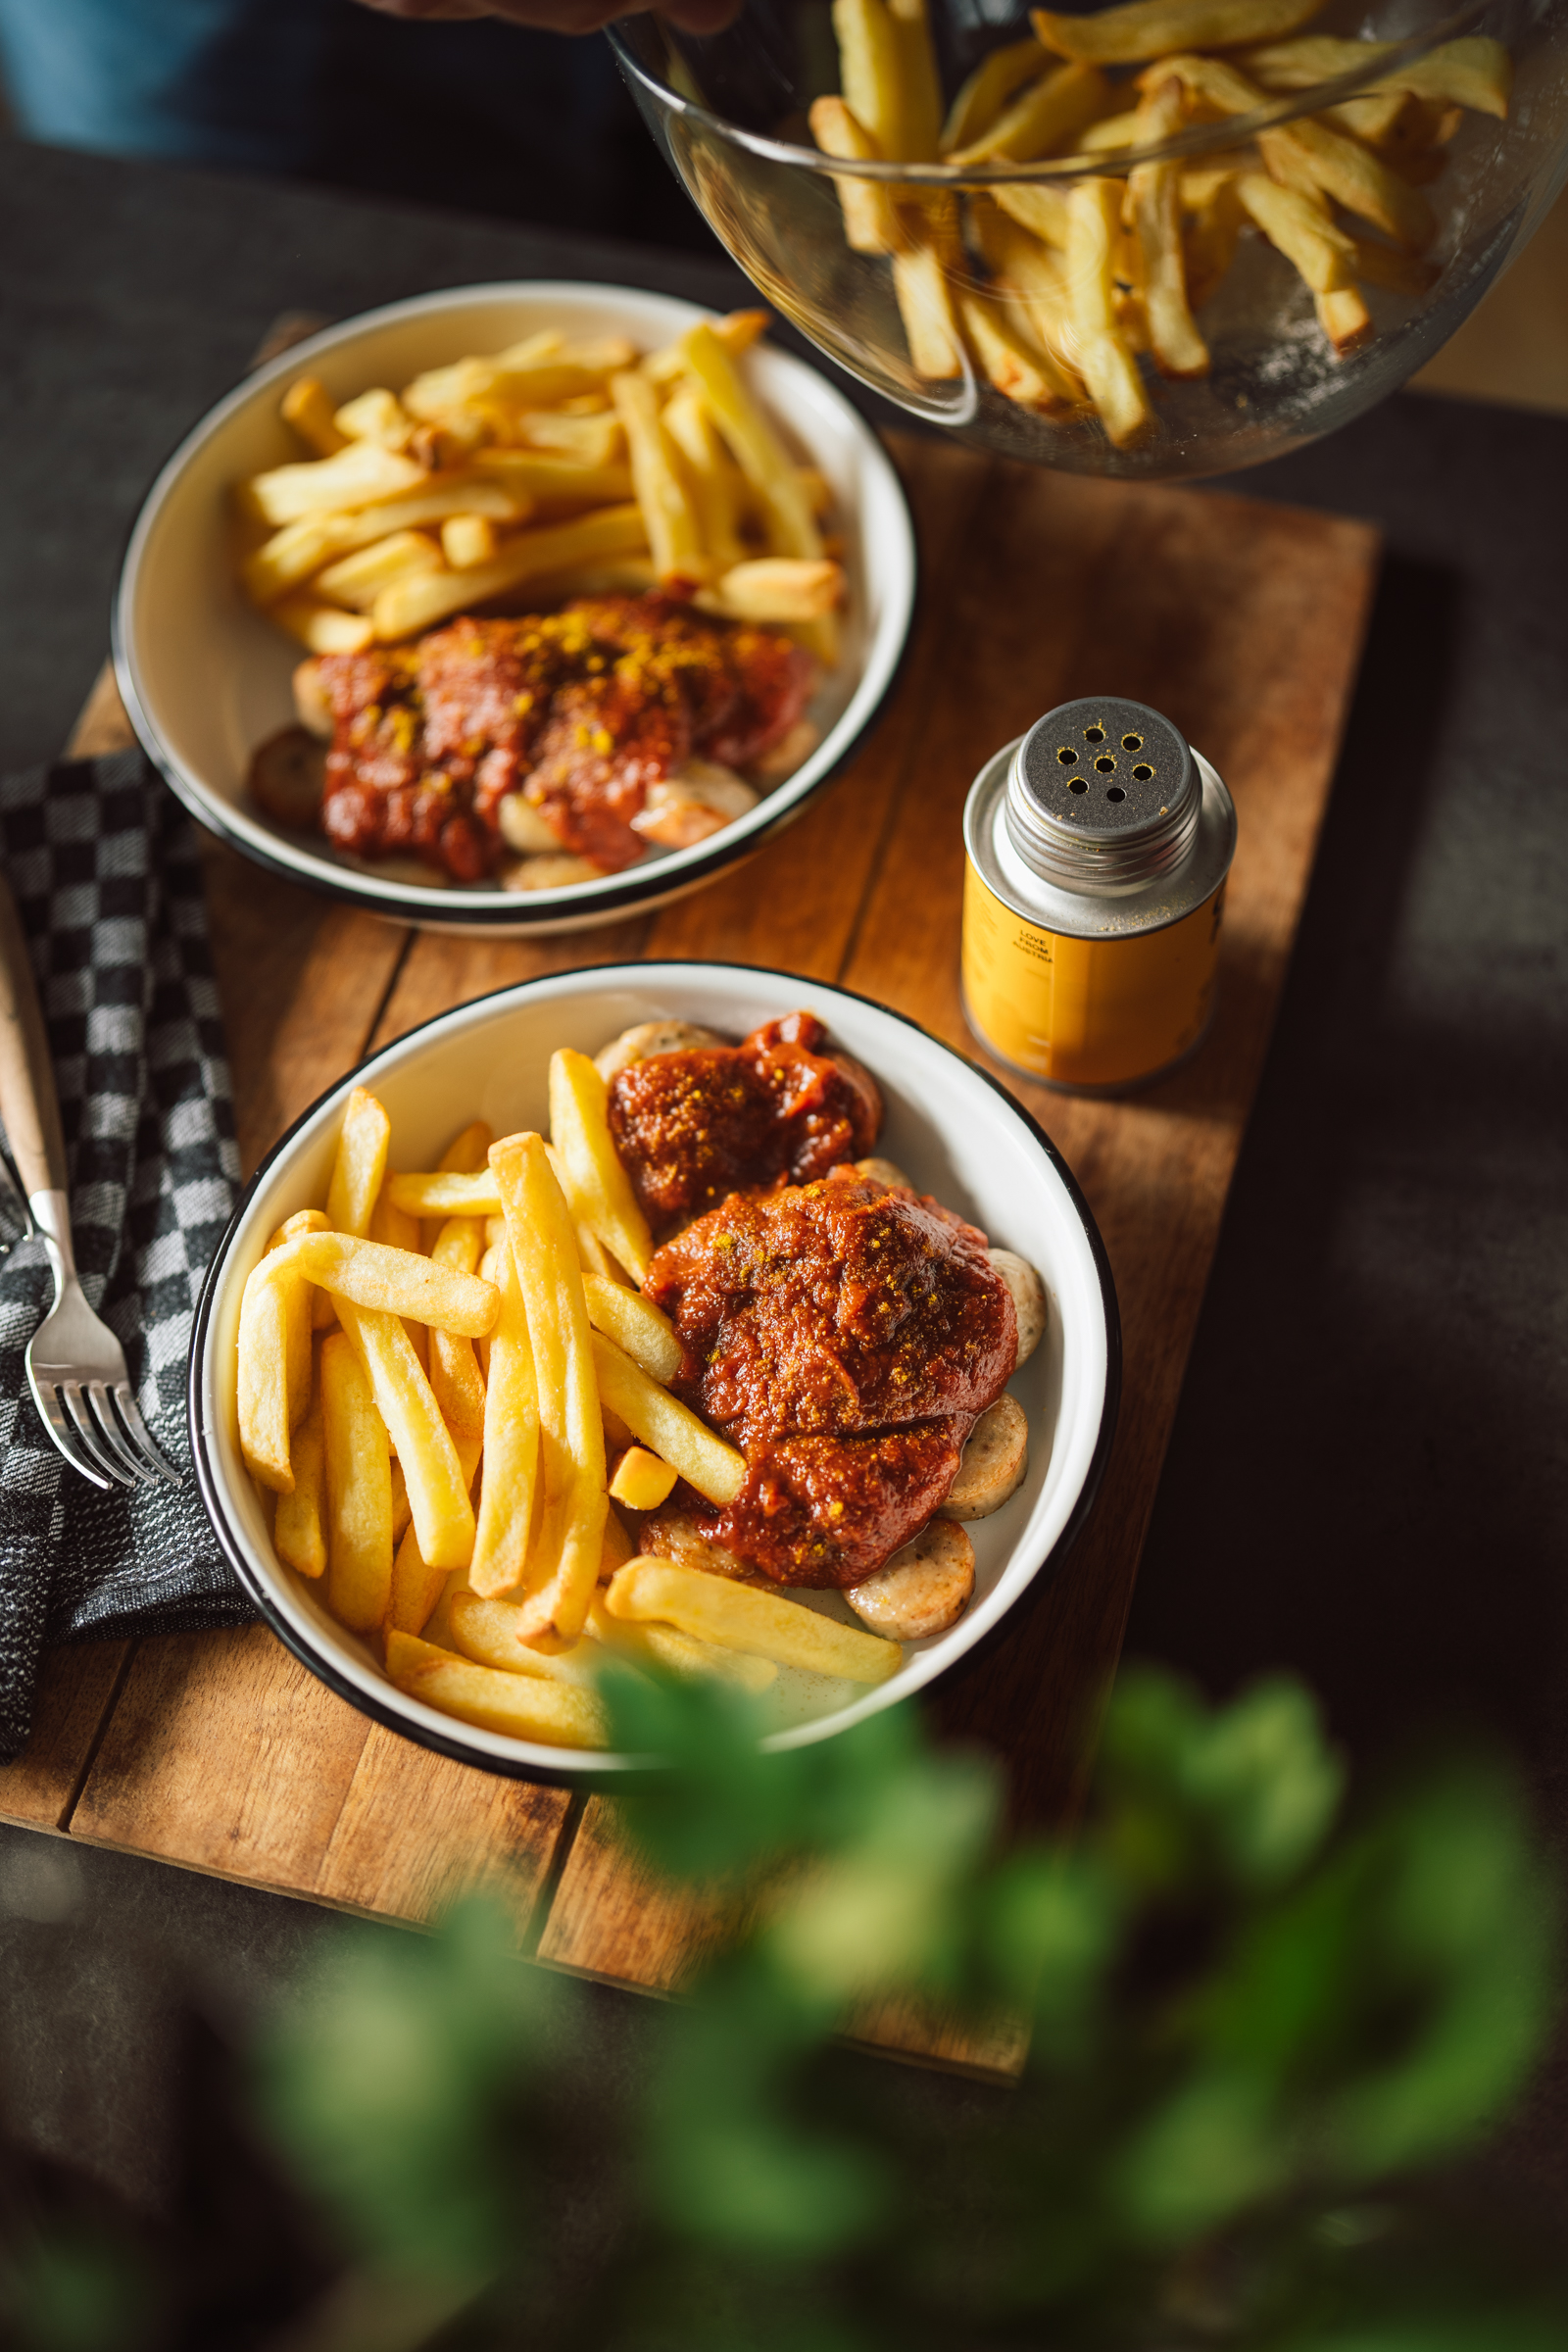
1040	209
446	1192
467	541
1153	192
738	1616
263	1374
299	1529
357	580
297	551
755	447
666	1426
508	1499
413	604
872	222
490	1632
1037	275
718	490
360	472
554	483
1386	266
598	1186
397	1282
1376	119
522	1707
1343	317
393	1227
1046	115
297	1314
455	1379
617	1548
1301	228
1019	369
415	1587
925	279
919	84
321	627
1212	234
871	76
780	589
375	416
591	440
1106	364
639	1328
438	1492
358	1489
736	332
1143	28
571	1442
401	1507
1110	134
359	1165
995	80
663	1649
512	381
1361	181
1475	71
641	1481
307	406
670	514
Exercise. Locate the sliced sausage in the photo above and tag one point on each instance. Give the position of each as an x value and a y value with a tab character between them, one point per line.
700	797
923	1590
647	1038
884	1171
310	705
288	776
667	1536
556	872
993	1462
1028	1297
524	827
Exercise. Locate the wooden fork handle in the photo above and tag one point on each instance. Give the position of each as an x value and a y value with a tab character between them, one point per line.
29	1103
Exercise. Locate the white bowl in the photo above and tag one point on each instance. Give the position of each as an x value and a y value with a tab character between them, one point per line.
952	1129
204	677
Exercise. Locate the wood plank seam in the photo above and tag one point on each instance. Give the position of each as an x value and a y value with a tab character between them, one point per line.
95	1744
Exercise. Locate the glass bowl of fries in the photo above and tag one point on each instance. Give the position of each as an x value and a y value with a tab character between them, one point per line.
430	1102
1165	238
313	514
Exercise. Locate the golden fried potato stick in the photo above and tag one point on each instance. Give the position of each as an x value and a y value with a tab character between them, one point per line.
662	1648
265	1349
294	554
668	1427
1144	28
872	222
718	493
298	1526
416	1586
995	80
1046	117
596	1185
919	83
926	277
1104	361
1343	317
1301	228
360	472
321	627
1014	360
398	1282
401	1507
1213	232
490	1633
455	1378
1112	134
297	1306
571	1441
376	415
1153	193
358	1489
641	1481
307	406
438	1492
411	604
1475	71
1036	206
737	331
445	1193
740	1617
509	1499
674	533
593	440
1038	276
871	75
1386	266
524	1706
636	1324
360	1166
779	589
1359	180
357	580
753	444
553	485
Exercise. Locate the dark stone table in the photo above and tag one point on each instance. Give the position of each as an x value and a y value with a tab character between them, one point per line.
1366	1480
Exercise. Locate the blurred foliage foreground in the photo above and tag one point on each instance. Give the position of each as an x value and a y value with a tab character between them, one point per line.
1263	2023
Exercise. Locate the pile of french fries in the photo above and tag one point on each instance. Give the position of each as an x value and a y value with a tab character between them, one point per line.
448	1381
1050	289
553	468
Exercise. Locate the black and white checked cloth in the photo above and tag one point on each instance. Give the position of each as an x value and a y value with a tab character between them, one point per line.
103	865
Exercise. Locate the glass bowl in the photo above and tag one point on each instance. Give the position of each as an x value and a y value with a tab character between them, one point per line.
1120	292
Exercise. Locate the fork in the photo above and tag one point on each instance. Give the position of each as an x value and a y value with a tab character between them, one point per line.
76	1365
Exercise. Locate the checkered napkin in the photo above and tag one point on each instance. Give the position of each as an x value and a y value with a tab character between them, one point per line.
103	865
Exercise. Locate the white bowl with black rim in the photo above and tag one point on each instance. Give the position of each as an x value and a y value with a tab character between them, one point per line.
952	1128
204	677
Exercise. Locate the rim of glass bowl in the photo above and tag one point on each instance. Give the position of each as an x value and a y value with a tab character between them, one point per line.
1233	131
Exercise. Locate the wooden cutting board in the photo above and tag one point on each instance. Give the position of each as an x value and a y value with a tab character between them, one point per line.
1243	622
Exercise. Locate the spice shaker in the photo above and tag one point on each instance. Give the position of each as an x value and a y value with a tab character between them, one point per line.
1097	850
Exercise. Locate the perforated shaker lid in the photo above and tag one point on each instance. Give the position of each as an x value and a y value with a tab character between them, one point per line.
1102	793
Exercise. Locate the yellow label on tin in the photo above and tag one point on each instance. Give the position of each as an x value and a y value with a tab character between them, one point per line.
1087	1012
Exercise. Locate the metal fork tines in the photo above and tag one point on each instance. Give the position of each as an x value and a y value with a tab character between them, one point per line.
77	1371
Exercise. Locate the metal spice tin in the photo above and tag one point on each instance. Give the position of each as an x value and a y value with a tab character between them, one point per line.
1097	850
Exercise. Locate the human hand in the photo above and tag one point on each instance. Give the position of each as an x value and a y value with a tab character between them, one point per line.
567	16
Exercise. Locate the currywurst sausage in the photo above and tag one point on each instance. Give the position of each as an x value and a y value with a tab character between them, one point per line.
993	1462
1028	1298
923	1590
647	1038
